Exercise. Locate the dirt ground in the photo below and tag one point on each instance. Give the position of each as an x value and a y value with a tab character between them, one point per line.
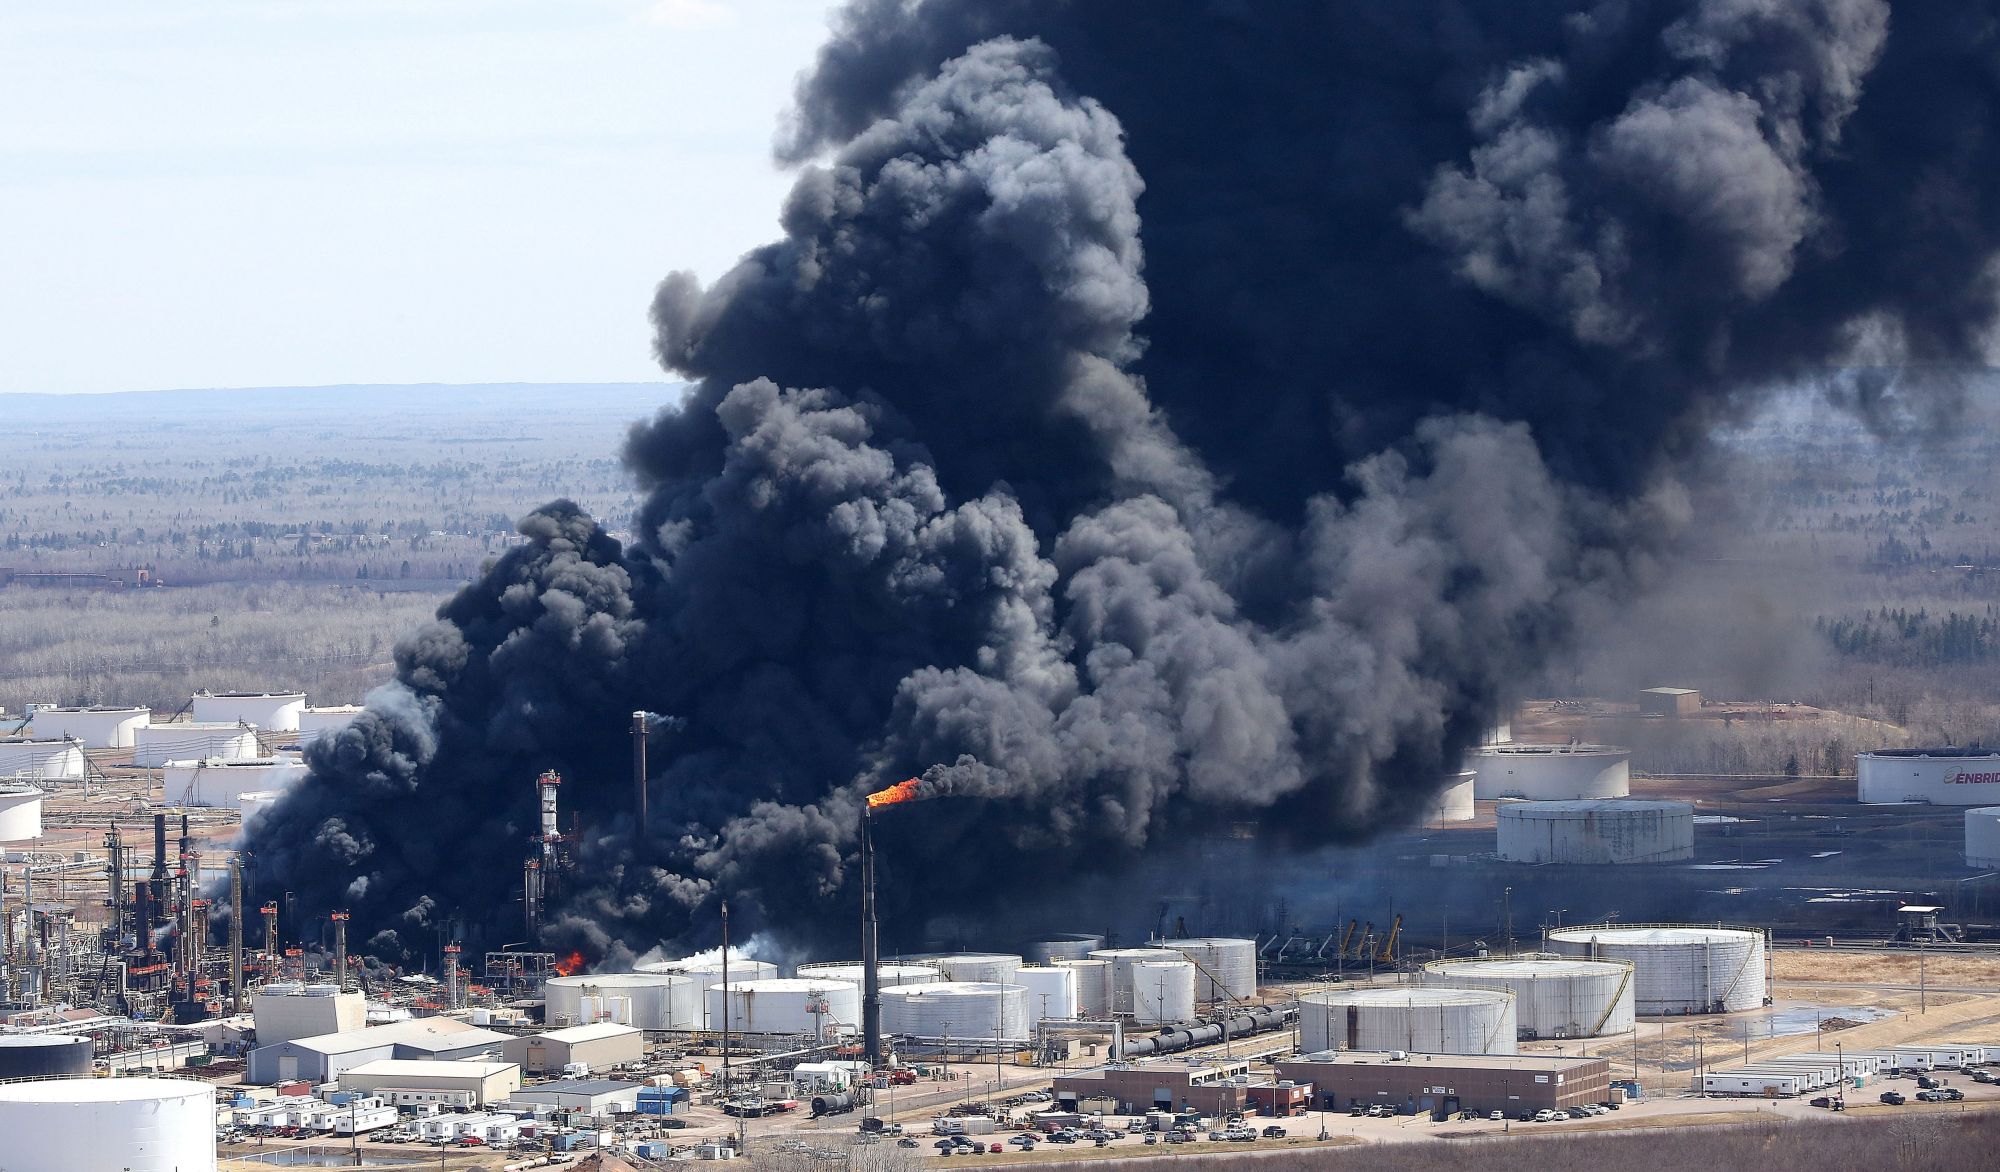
1941	969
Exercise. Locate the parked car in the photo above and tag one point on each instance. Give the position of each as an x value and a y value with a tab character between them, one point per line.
1893	1098
1274	1132
1496	1116
1953	1093
1821	1101
1544	1116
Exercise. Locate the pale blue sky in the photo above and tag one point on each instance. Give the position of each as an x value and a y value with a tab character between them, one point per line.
209	193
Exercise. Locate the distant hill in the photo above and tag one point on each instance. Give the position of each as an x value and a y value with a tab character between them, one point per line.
407	400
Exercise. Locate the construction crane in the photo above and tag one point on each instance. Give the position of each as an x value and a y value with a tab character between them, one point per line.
1388	952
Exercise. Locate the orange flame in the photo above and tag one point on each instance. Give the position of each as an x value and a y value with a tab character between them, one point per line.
902	791
570	965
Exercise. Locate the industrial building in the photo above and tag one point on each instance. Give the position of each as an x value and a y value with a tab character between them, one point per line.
323	1058
1940	777
1669	702
222	782
20	812
1550	772
1554	997
1212	1088
156	744
269	711
1679	969
588	1096
1408	1082
646	1001
598	1047
38	759
1416	1018
403	1082
287	1010
93	728
1596	831
128	1124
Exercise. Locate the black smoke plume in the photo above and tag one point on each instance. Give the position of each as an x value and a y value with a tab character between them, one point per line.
1160	415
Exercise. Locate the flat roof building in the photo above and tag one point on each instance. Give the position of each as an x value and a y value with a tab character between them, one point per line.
590	1096
400	1081
1212	1088
599	1046
323	1057
1449	1082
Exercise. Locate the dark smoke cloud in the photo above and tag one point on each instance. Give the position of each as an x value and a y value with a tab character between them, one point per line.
1157	416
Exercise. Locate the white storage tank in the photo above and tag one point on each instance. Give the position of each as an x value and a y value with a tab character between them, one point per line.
1453	803
645	1001
1415	1018
317	722
35	759
221	783
786	1005
707	972
1093	987
20	813
1063	946
1225	969
256	805
1163	991
973	1010
270	711
120	1124
1118	988
1550	772
1554	996
95	728
1678	969
1942	777
1982	837
1051	991
988	967
1594	831
157	744
903	973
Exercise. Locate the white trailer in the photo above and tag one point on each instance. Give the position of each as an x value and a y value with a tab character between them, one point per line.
362	1120
1759	1083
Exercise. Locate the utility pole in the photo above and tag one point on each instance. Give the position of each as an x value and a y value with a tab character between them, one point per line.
1507	909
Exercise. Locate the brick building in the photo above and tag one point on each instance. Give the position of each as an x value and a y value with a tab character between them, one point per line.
1450	1082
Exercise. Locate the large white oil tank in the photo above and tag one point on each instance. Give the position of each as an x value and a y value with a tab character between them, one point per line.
1678	969
1942	777
645	1001
907	972
1051	991
1063	946
317	722
1453	803
1118	991
707	972
1554	996
1596	830
987	967
973	1010
35	759
121	1124
20	813
256	805
1416	1018
1550	772
95	728
270	711
223	783
1225	969
1982	837
1093	987
1163	991
786	1005
157	744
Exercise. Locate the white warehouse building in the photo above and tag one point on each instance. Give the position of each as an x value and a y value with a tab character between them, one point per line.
1596	831
95	728
1550	772
270	711
1941	777
1982	837
156	744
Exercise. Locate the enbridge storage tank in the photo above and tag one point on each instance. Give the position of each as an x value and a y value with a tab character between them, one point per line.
787	1006
93	728
1982	837
1596	831
42	1056
1051	991
1415	1018
156	744
315	723
707	972
222	783
1225	969
987	967
1118	989
1093	987
1944	776
1554	997
1063	946
35	759
1454	803
973	1010
1550	772
646	1001
270	711
20	812
1678	969
1162	991
121	1124
903	973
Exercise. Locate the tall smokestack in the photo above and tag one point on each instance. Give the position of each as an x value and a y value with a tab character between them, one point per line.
159	852
639	773
340	950
871	951
451	954
236	934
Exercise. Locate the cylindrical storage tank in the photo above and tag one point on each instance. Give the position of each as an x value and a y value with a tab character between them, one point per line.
256	805
974	1010
1093	987
646	1001
1942	777
707	972
1677	969
1453	803
1051	991
1226	969
1414	1018
1163	991
94	728
222	784
981	967
42	1056
20	813
1550	772
1554	997
905	973
1118	992
1596	831
317	722
270	711
786	1005
1063	946
1982	837
34	759
157	744
124	1124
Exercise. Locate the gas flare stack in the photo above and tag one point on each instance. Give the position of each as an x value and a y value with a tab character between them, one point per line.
871	947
